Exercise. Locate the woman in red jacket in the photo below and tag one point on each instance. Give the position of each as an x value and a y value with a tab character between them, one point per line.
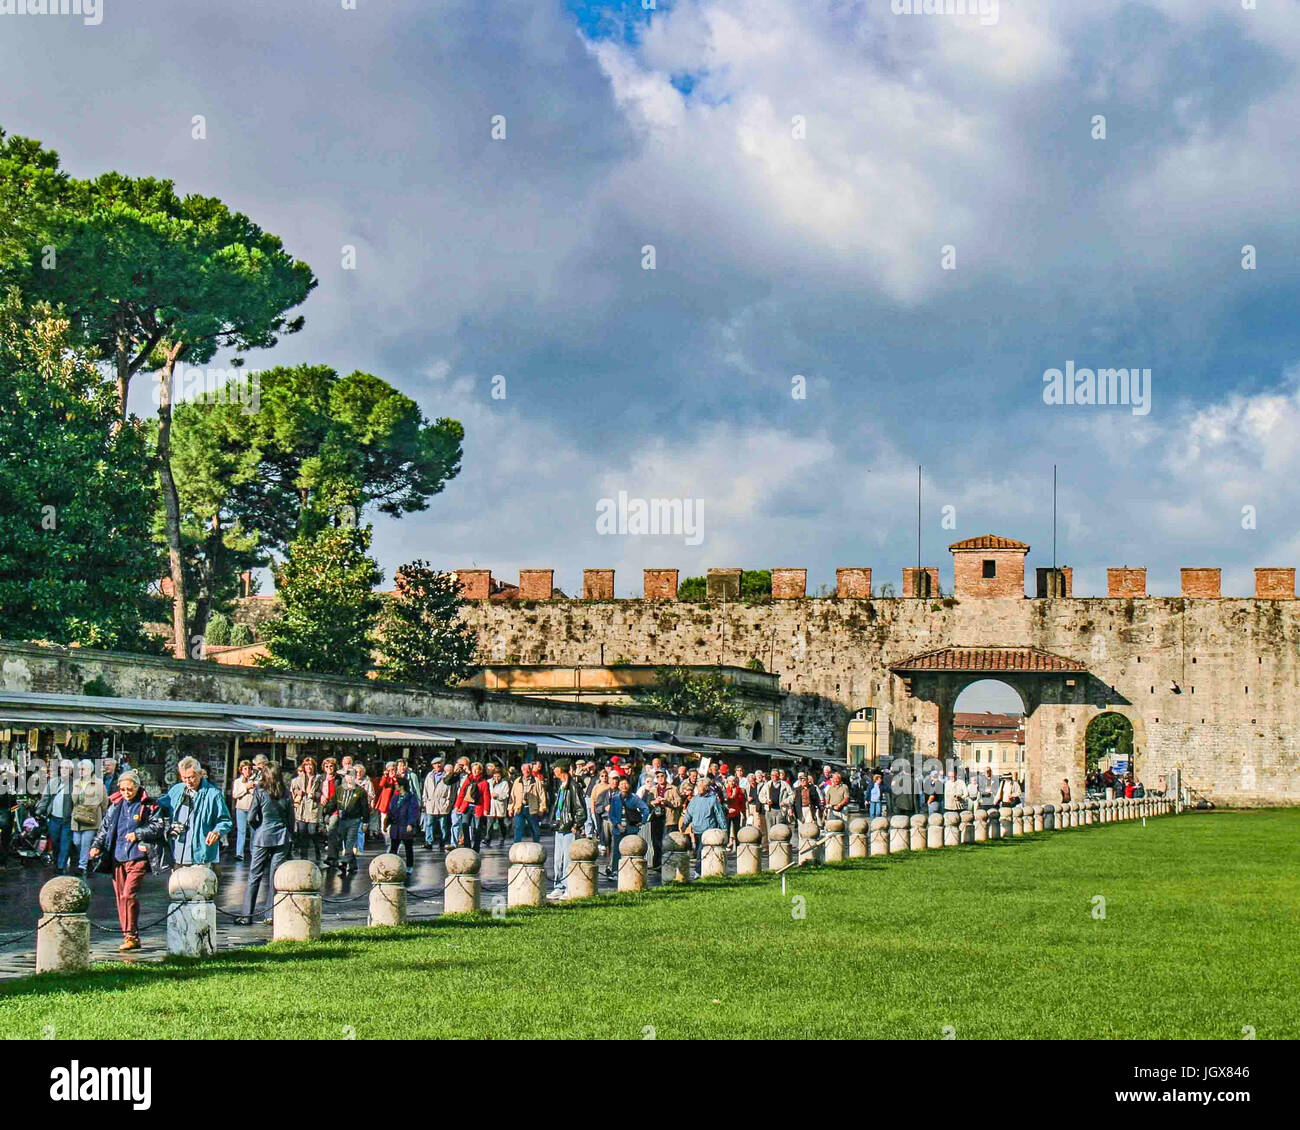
385	790
736	800
474	802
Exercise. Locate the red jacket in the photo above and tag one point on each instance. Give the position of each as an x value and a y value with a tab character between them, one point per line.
736	801
465	798
384	792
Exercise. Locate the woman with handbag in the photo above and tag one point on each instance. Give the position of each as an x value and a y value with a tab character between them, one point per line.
129	840
89	804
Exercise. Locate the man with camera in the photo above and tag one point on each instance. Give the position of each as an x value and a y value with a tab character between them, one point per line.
197	817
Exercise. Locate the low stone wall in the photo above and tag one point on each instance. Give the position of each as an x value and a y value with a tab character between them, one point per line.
57	670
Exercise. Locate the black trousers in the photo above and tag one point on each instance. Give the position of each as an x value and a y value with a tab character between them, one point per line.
657	826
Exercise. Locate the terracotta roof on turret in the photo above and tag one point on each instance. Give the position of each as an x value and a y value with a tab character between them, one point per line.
988	541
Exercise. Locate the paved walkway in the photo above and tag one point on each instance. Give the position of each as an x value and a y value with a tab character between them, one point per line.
346	903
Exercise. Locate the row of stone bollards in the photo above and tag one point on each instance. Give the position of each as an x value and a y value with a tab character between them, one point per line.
63	933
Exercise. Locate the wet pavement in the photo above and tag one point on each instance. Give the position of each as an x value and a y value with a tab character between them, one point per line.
345	903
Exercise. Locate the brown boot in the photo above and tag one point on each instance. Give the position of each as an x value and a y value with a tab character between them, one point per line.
129	943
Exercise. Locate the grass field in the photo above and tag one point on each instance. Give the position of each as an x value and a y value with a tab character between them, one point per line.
1199	939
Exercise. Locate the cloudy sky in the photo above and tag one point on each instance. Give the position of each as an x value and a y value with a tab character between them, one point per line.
804	171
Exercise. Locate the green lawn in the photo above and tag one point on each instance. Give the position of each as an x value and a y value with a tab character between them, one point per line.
995	940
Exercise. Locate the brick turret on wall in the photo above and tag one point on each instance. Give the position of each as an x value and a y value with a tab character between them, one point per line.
789	584
853	584
1201	583
475	583
920	582
536	584
723	584
1126	582
1055	583
1275	584
598	584
660	584
988	567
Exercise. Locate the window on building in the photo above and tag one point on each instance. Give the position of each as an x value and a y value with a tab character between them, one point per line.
757	732
859	752
990	568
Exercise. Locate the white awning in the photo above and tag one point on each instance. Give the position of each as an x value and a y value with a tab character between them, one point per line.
288	731
593	742
413	737
485	737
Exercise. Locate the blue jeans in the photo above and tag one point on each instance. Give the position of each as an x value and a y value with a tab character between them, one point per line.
266	858
83	840
876	808
526	825
361	835
241	832
563	842
60	828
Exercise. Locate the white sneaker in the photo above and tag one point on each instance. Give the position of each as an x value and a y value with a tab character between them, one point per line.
557	893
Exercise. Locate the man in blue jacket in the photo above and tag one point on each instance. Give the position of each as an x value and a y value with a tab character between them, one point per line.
703	811
628	814
198	817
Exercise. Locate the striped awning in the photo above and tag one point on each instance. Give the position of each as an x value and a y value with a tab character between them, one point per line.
385	736
69	719
287	731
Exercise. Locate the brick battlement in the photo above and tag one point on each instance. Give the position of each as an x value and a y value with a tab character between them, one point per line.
981	575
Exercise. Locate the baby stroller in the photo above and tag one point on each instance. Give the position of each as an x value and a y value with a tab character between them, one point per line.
31	836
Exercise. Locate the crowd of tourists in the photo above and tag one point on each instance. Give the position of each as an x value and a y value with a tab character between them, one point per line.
332	811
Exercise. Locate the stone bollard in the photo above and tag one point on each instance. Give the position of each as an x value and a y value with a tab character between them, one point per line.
582	869
1076	814
951	829
1004	819
192	921
676	867
981	824
526	884
462	891
859	845
749	850
63	932
934	831
919	824
1038	818
833	849
296	917
778	847
967	830
898	840
1049	818
879	844
1089	811
1018	820
387	891
713	859
808	849
631	863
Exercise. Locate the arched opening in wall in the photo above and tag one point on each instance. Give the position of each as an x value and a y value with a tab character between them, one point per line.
988	735
1109	751
756	733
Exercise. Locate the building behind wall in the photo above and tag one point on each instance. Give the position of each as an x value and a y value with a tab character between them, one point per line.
986	740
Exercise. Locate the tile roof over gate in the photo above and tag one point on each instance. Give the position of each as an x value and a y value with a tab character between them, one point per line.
988	541
1028	659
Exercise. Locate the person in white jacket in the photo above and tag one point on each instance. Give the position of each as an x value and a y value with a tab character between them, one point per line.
954	792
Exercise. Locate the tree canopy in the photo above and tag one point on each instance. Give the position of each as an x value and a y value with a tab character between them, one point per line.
421	635
76	556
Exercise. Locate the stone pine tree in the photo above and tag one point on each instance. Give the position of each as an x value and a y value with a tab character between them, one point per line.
75	554
421	635
328	604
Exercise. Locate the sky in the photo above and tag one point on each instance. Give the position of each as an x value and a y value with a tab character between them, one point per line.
873	234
